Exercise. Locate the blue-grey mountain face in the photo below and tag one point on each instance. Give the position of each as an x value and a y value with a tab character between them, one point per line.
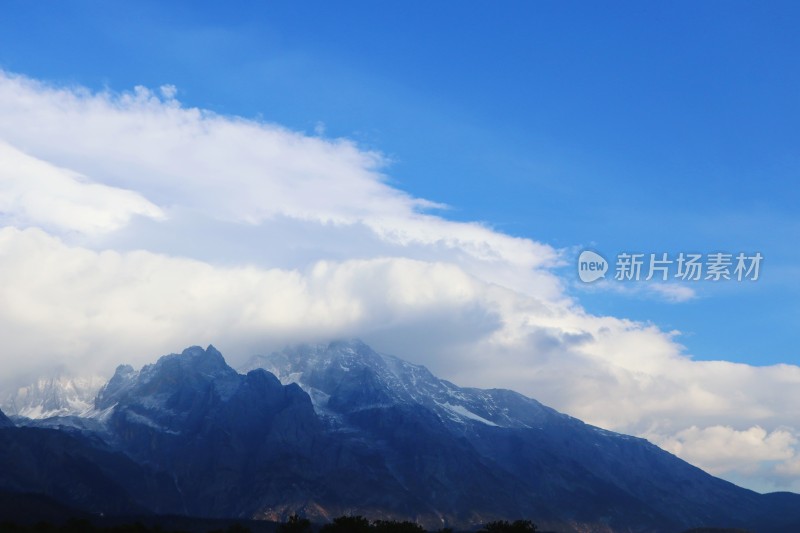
557	468
223	436
5	421
79	471
347	430
241	445
350	376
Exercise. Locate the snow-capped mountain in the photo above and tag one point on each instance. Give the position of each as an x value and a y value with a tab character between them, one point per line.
563	468
375	379
351	431
57	395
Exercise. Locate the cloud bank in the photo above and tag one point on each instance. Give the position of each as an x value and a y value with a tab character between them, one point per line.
134	226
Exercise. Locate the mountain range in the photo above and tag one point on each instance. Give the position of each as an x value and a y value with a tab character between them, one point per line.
332	429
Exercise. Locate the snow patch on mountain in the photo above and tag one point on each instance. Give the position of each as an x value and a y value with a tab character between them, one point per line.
463	412
53	396
326	370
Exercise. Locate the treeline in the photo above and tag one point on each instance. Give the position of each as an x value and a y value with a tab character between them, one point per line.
295	524
87	526
359	524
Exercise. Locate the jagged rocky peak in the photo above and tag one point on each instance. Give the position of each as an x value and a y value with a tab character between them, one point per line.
194	405
348	375
338	355
194	369
109	394
56	394
124	372
208	362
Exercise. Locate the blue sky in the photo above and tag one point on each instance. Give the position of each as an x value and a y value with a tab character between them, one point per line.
630	126
640	127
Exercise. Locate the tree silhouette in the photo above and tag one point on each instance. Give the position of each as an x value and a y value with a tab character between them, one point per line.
393	526
503	526
295	524
347	524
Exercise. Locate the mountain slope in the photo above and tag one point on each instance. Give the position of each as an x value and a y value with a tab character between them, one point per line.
568	471
242	445
81	473
351	431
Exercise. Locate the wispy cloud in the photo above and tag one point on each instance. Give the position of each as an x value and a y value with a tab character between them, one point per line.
669	292
673	292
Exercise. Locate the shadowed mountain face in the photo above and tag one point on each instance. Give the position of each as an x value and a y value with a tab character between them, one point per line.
243	445
564	471
81	473
347	430
5	422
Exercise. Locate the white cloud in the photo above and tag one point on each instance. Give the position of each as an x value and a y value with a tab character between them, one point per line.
229	168
33	192
135	226
724	449
754	455
100	308
672	292
669	292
